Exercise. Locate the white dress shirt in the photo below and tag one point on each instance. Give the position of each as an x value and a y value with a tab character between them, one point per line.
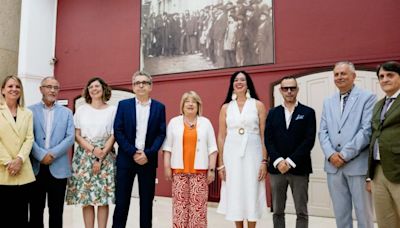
142	119
48	114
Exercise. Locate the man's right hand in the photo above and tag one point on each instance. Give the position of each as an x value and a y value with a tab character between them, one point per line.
48	159
283	167
140	157
336	160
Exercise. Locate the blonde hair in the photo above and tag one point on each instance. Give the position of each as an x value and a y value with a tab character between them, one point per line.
195	97
20	101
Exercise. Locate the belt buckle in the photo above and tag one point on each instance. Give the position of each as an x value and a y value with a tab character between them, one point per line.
241	131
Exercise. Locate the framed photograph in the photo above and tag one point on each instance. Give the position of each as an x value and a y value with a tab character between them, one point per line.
182	36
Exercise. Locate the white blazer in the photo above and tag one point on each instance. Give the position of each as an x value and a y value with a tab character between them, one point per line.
205	145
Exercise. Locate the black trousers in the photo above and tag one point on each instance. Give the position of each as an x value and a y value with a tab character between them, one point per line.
54	189
14	205
124	183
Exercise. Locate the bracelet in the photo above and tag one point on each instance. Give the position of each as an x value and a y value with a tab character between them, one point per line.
220	167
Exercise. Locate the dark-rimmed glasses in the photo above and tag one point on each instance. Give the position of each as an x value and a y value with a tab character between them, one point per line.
144	83
287	88
50	87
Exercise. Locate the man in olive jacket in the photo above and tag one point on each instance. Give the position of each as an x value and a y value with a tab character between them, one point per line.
384	156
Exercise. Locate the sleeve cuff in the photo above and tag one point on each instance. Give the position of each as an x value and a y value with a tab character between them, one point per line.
291	163
22	158
276	162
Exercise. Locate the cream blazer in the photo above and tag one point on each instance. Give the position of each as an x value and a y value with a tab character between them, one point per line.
16	139
206	143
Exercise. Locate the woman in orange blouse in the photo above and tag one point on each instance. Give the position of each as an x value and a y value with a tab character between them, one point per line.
189	162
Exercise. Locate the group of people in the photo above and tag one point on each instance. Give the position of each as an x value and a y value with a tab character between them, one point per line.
357	136
228	35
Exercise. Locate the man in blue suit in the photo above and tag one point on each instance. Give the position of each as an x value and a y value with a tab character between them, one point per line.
53	128
344	135
139	129
289	137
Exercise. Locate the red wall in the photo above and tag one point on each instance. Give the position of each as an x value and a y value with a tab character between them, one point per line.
101	37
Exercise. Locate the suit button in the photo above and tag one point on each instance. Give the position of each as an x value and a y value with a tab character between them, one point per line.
339	132
338	145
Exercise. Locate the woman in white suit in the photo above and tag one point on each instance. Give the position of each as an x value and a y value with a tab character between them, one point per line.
189	161
16	139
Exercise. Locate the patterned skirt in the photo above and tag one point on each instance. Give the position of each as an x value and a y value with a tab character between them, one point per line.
86	188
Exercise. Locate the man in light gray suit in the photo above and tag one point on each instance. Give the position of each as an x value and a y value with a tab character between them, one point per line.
344	135
54	135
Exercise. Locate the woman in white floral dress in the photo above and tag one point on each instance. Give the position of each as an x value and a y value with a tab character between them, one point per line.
93	164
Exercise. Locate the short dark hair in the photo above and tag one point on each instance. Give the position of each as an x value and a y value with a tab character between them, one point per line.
287	78
249	82
389	66
106	90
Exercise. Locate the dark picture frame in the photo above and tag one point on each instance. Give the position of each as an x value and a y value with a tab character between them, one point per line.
182	36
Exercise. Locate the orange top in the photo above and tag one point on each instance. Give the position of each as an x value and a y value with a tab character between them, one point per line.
189	151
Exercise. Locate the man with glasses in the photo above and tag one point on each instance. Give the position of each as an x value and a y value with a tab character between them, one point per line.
289	137
139	129
344	136
54	133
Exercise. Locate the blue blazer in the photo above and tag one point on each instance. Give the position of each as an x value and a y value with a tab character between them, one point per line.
62	138
295	143
125	132
348	133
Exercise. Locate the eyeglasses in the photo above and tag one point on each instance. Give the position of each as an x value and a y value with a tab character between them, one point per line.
56	88
137	83
287	88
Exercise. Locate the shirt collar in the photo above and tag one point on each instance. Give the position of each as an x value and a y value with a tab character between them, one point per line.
395	95
295	105
347	93
143	104
46	107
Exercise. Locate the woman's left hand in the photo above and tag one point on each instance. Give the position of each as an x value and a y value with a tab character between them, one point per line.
14	166
210	176
262	173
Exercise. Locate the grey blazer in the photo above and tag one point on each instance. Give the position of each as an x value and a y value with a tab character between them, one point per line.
348	133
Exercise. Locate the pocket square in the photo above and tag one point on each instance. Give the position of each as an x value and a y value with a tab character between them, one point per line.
299	117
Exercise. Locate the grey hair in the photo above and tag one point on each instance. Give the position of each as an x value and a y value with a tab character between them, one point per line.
348	63
48	78
142	73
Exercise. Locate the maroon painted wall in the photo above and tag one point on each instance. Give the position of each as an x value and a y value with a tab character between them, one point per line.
101	37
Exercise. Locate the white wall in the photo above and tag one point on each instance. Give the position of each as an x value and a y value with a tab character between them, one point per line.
37	45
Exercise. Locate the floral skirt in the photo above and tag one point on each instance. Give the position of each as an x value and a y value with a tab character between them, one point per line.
86	188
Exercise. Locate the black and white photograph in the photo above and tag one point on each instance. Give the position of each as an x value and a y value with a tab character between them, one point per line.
183	36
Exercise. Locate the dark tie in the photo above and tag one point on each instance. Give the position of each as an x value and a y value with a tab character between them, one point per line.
385	107
388	101
345	97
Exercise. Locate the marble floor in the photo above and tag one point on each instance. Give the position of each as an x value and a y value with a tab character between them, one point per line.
162	217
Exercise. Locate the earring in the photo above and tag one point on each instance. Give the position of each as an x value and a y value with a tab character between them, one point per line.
248	94
234	96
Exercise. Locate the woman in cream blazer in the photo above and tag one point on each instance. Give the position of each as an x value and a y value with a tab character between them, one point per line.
16	139
189	161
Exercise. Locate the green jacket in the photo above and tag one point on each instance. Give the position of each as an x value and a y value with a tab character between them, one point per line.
388	134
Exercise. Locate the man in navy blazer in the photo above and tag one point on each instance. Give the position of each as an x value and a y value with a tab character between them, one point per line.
344	135
289	137
139	129
54	133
